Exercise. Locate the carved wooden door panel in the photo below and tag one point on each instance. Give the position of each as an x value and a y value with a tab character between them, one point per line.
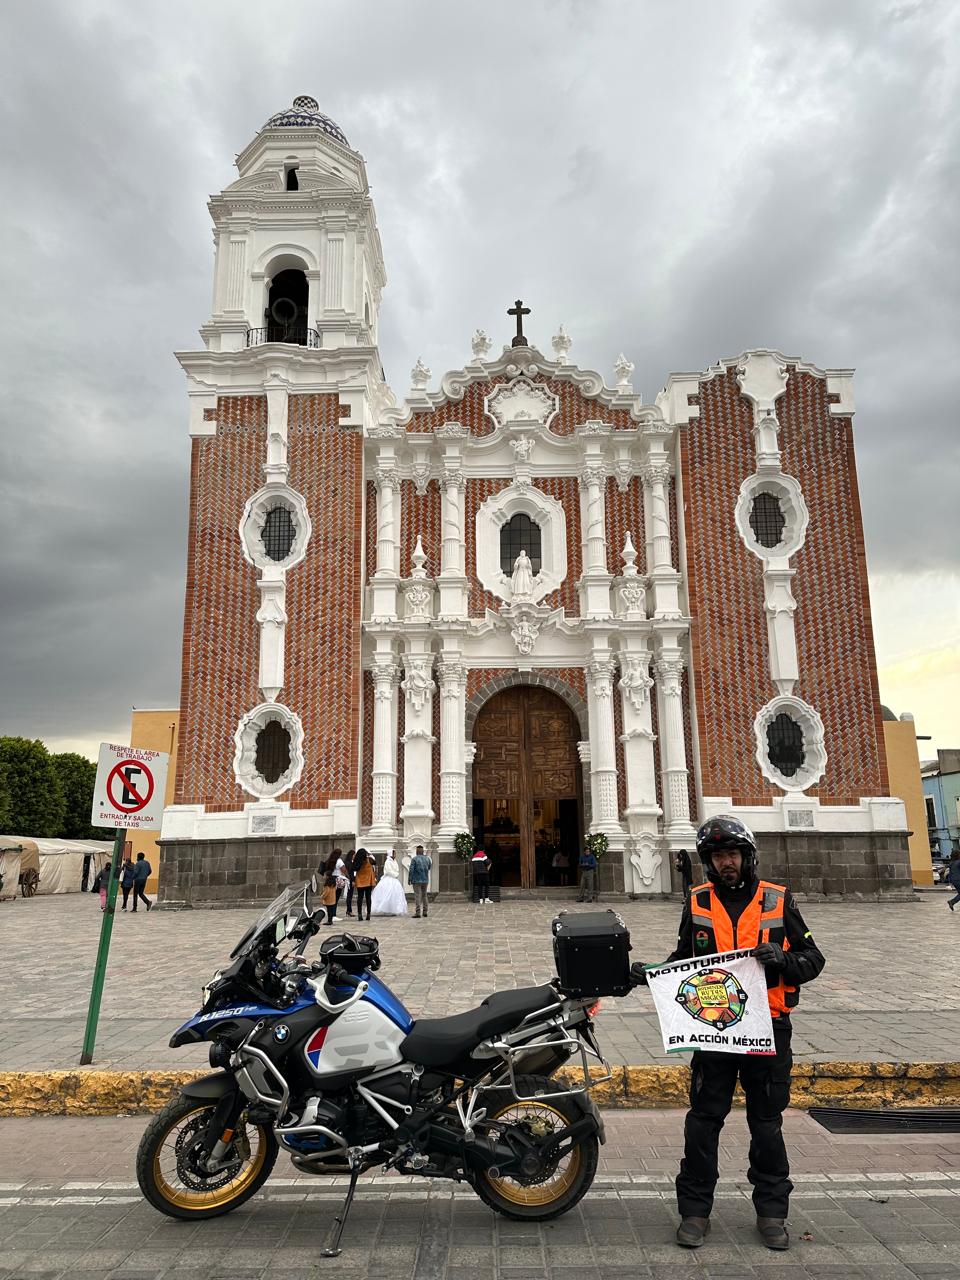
499	738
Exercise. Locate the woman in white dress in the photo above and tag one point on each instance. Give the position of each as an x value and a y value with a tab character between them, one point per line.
388	897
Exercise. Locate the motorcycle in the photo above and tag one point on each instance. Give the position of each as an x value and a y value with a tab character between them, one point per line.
320	1059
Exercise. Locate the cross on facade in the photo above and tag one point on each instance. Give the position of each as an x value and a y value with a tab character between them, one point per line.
519	310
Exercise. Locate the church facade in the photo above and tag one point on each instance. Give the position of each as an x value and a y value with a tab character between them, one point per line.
519	603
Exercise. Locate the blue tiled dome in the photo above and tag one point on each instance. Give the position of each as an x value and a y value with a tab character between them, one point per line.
306	114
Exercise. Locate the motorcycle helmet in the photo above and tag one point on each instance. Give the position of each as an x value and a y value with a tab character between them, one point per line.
726	832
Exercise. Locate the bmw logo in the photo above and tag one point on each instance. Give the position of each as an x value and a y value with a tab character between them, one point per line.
281	1032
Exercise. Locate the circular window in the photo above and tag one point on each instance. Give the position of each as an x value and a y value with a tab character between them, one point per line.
771	515
275	528
269	750
790	744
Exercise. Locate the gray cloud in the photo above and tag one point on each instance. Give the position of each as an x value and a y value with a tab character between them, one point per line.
677	182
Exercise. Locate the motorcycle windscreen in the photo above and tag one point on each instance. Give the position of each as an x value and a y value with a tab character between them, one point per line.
292	902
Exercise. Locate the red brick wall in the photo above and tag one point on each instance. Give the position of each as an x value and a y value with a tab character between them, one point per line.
366	754
323	600
625	512
420	514
729	641
220	635
575	409
475	495
370	529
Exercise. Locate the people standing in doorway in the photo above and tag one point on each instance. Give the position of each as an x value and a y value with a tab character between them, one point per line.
953	876
126	879
364	878
480	866
142	871
588	876
419	877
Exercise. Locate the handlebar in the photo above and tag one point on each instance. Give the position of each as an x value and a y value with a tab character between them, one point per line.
341	977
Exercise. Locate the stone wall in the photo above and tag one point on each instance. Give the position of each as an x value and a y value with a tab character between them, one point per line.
237	873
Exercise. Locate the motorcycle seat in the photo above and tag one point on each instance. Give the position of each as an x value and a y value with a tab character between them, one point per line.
438	1042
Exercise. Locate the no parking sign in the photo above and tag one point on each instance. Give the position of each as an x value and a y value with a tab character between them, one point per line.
130	787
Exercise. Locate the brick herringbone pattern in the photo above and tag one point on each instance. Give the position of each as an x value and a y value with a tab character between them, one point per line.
565	489
477	491
366	753
324	599
220	641
370	528
625	513
419	515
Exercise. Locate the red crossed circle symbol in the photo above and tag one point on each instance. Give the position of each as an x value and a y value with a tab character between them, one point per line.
117	775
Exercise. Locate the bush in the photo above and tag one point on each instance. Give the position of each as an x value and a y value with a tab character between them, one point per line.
77	776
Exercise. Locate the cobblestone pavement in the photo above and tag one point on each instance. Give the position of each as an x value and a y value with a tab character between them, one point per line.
885	1207
890	991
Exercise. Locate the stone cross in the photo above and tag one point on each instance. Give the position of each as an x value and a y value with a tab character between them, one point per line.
518	310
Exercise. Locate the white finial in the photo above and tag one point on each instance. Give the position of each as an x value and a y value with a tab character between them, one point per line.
561	342
419	375
629	557
623	369
419	559
480	345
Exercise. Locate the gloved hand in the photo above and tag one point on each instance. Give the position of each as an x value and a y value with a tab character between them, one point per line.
770	955
638	974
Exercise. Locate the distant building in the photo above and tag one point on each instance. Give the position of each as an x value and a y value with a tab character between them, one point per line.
154	730
903	768
941	793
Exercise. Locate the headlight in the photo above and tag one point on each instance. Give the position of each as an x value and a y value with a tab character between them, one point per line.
205	992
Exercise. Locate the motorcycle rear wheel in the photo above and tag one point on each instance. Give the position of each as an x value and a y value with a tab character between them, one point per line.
566	1182
172	1183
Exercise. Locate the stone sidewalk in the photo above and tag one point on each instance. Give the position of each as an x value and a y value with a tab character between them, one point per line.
890	991
883	1208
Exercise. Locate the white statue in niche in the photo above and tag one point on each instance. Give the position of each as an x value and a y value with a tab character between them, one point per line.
521	584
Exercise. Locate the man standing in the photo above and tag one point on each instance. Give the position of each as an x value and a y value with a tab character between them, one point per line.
588	876
419	878
141	874
734	910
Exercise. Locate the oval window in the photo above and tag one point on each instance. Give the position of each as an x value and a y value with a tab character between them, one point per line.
273	751
785	749
278	533
767	519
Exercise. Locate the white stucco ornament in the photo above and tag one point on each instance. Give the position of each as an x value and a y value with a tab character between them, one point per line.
521	401
480	345
419	375
561	343
762	376
623	368
521	583
645	860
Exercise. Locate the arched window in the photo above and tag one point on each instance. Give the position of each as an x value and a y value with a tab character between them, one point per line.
278	532
767	519
273	751
286	314
293	182
785	745
519	534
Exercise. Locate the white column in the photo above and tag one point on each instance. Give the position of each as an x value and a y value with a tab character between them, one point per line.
664	579
635	692
452	580
453	685
603	754
384	581
673	753
595	580
418	686
386	678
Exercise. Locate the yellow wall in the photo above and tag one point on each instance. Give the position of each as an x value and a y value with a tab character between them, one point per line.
154	731
903	765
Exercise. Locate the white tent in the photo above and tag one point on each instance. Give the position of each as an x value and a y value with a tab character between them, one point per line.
61	863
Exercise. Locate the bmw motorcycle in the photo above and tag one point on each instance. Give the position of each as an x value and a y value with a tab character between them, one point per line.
321	1059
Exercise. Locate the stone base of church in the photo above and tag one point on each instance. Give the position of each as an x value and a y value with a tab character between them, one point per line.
236	873
454	879
854	865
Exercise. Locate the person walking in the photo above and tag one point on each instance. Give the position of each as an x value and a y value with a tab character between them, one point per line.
101	884
588	876
126	879
142	871
480	865
953	876
364	878
734	910
418	876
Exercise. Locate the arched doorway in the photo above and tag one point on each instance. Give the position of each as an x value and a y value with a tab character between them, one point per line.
527	803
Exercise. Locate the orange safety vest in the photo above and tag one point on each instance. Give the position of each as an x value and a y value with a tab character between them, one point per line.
760	921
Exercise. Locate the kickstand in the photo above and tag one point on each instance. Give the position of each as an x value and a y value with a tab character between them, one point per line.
333	1249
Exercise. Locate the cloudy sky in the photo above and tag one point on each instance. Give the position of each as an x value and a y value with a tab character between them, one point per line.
675	181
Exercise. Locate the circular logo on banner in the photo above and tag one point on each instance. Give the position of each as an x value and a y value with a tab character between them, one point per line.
714	997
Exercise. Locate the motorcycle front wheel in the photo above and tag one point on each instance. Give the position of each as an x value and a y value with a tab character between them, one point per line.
564	1181
171	1176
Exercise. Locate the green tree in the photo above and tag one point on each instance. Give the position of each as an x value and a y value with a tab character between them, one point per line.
77	776
36	806
4	801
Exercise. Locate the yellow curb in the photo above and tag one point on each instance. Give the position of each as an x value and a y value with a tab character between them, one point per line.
89	1091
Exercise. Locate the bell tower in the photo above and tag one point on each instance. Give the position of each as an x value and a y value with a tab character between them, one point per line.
286	384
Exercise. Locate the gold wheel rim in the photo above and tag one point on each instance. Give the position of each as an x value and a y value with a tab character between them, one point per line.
165	1167
563	1176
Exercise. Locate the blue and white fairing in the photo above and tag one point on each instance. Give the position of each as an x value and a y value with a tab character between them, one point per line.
204	1025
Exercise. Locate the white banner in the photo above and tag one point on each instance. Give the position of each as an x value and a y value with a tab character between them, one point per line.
717	1004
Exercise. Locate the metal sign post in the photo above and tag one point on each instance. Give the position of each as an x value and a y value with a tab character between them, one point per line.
103	951
128	794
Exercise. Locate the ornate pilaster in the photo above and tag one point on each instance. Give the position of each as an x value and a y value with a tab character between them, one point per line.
603	754
452	580
664	578
386	678
636	692
673	754
453	685
384	580
595	580
418	740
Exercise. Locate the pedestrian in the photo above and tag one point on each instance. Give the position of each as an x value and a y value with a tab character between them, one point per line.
561	865
684	870
142	871
388	897
341	871
588	875
101	884
953	876
328	897
418	876
480	865
348	869
734	909
364	878
126	879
